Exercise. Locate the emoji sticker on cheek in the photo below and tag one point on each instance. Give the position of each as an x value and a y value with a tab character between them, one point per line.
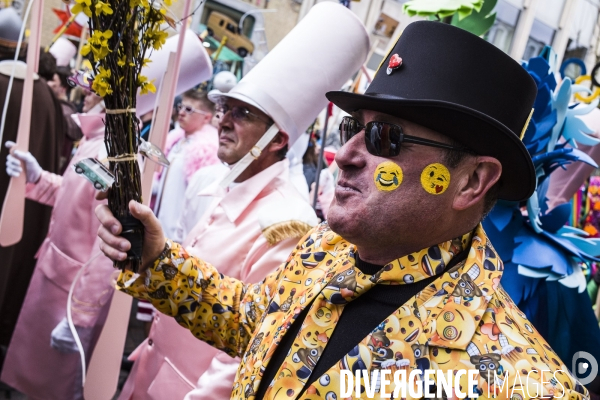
435	178
388	176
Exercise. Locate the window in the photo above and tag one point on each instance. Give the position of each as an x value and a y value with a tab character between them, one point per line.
541	35
222	22
231	28
501	33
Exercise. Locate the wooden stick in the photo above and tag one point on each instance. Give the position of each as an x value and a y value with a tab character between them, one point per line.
105	365
60	32
13	209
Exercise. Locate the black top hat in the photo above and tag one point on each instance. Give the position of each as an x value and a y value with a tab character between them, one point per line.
451	81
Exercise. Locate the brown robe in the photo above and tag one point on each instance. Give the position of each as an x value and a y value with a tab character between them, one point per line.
72	134
47	132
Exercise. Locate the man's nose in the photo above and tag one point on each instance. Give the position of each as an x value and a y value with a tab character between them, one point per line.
226	120
352	154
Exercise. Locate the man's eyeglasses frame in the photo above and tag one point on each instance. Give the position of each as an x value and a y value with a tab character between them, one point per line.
394	137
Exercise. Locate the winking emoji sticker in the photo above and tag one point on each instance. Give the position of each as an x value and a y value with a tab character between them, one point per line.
435	178
388	176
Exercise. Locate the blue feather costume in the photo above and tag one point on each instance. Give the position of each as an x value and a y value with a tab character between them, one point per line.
541	255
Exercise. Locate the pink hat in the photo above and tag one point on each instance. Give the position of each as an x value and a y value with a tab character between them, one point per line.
63	50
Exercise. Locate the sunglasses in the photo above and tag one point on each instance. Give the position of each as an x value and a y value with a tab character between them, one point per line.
238	113
384	139
189	109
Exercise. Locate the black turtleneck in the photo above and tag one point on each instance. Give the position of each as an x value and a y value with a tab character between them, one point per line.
359	318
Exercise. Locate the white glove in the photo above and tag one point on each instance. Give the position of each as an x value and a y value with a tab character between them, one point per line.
62	339
33	171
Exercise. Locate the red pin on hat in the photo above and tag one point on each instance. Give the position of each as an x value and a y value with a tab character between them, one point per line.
395	63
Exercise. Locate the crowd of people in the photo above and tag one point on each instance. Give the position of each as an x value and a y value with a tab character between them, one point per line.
35	297
278	255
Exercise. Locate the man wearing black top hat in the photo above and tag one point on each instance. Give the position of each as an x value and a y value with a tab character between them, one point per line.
401	277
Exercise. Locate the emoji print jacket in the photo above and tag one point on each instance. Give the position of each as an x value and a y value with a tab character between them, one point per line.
464	320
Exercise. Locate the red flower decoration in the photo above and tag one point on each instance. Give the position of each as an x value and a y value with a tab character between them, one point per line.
395	63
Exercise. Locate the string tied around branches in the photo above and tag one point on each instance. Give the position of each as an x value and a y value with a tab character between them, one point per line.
122	158
120	111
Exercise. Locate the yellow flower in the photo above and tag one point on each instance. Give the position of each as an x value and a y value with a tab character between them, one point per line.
157	38
139	3
104	8
99	44
145	62
145	86
148	87
82	6
100	51
101	84
168	2
102	36
121	61
85	50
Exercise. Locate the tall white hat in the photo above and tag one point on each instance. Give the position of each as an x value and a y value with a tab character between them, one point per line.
320	54
196	67
63	50
325	49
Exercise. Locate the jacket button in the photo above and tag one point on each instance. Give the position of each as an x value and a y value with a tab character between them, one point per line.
150	342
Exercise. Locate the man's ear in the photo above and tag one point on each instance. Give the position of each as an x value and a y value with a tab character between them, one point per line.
481	174
279	142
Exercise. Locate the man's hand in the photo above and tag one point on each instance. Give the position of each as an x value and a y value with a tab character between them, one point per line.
115	247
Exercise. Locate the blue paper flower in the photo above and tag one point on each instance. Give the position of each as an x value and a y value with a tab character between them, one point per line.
539	241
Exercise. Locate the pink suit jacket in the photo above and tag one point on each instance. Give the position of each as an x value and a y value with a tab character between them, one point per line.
31	365
168	364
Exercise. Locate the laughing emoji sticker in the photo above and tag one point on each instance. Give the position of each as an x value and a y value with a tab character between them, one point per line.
435	178
388	176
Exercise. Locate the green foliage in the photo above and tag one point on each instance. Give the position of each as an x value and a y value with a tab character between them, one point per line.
479	22
441	8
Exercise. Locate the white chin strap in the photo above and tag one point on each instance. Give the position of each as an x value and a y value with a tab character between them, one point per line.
254	153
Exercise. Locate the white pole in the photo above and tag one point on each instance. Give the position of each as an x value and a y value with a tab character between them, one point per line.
523	29
561	39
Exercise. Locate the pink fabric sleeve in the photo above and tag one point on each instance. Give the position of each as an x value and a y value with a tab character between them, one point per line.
45	190
216	383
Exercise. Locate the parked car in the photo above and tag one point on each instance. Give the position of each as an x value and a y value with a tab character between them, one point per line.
220	25
95	172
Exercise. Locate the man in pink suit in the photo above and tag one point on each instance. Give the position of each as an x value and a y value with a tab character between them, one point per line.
32	366
42	359
254	215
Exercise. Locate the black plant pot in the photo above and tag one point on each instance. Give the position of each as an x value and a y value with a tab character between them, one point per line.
133	231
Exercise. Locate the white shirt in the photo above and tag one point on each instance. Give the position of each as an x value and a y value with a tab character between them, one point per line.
171	191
